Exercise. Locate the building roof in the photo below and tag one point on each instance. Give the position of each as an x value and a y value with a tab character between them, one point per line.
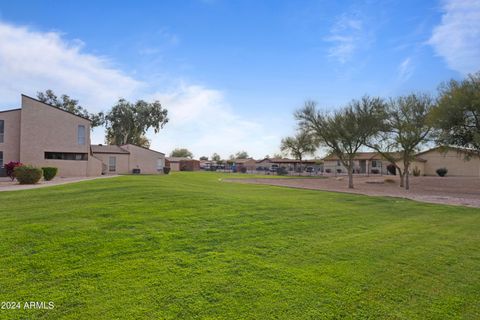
10	110
240	161
358	156
469	152
133	145
283	160
108	149
368	156
178	159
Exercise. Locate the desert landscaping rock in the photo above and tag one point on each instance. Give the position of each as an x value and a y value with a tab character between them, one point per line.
463	191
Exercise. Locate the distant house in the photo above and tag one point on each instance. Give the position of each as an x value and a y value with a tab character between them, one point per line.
128	158
249	164
459	162
42	135
365	163
182	164
289	164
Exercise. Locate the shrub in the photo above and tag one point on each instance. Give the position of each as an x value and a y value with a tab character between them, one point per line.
392	169
282	171
243	169
375	171
388	180
442	171
166	170
416	172
49	173
339	170
28	174
10	168
328	170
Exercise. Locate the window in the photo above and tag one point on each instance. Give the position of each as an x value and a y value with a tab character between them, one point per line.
66	156
338	163
1	159
81	134
374	163
2	130
159	164
112	164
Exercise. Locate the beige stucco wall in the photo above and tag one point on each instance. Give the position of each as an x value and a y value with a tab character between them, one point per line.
415	164
144	159
455	162
121	162
94	166
175	166
11	142
47	129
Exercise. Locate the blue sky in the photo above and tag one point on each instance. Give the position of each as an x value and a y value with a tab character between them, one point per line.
231	73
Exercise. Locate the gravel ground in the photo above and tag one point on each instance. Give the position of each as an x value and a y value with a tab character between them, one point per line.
464	191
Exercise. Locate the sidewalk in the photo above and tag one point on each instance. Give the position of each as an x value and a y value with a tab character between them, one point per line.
7	185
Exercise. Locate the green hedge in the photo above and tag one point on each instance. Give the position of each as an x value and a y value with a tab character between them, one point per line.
49	173
28	174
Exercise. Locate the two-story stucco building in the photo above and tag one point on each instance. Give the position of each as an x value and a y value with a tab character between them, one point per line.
42	135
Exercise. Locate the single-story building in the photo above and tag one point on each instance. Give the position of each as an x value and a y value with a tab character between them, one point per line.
250	164
366	163
182	164
128	158
459	162
289	164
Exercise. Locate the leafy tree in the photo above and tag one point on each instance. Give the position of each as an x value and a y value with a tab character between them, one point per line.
241	155
70	105
128	122
458	113
181	153
216	157
204	158
405	126
276	155
299	145
342	132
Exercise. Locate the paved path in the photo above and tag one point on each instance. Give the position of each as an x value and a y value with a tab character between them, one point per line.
7	185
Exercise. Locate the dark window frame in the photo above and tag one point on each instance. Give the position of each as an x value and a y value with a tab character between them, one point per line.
1	159
2	131
67	156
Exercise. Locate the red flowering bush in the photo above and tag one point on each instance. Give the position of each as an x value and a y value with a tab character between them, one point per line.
10	168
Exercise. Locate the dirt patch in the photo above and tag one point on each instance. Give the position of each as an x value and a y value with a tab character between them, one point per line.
464	191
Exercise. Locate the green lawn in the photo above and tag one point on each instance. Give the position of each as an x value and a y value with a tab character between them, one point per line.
189	246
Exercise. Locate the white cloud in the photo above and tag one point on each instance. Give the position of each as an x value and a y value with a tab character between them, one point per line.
457	37
32	61
405	69
200	118
346	36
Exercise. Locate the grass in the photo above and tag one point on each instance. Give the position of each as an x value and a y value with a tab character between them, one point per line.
188	246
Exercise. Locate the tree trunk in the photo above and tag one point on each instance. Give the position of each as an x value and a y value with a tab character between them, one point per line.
407	180
402	178
350	177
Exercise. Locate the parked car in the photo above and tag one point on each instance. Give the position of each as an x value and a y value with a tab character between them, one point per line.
274	168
